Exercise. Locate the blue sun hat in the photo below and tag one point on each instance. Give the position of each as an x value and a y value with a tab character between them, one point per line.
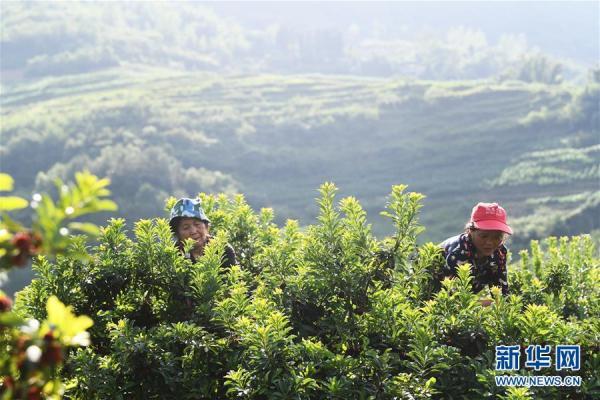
191	208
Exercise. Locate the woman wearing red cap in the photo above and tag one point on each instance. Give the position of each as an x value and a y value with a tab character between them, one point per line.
482	246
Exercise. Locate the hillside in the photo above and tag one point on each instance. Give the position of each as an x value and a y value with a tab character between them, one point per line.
156	132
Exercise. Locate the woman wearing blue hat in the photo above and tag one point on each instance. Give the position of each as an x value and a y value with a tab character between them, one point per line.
188	221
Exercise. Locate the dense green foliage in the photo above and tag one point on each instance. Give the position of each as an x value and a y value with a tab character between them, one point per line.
169	100
324	312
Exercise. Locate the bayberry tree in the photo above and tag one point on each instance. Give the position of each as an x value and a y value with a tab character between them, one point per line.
33	349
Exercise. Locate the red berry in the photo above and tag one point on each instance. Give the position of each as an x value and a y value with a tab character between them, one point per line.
36	243
53	354
22	241
21	342
8	382
5	303
34	393
19	260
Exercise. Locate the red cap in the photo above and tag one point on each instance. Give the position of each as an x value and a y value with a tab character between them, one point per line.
490	217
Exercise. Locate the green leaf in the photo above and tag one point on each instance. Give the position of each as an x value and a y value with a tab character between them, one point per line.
6	182
10	224
64	320
8	203
106	205
10	319
87	227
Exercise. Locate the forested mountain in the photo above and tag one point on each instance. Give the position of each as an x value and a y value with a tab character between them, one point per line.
173	99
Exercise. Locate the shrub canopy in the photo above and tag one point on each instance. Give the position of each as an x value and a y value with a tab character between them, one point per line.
326	311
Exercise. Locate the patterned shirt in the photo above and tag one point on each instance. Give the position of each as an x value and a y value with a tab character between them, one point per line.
490	271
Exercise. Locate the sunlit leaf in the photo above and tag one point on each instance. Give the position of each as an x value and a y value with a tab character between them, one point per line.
8	203
106	205
87	227
6	182
63	319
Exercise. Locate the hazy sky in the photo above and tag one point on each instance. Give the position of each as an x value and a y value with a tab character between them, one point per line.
564	29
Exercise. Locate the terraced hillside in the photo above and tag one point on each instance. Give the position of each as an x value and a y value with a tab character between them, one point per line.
158	132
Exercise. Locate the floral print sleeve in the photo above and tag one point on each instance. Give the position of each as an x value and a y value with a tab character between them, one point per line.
500	255
456	252
459	249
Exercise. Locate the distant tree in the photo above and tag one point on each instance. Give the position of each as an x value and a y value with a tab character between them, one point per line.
541	69
594	75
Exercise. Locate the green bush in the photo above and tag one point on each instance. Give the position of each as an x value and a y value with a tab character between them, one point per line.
324	312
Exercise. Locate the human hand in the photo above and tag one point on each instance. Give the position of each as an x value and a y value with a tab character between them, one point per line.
485	302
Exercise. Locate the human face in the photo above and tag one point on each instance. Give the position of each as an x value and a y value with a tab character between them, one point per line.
486	242
193	228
